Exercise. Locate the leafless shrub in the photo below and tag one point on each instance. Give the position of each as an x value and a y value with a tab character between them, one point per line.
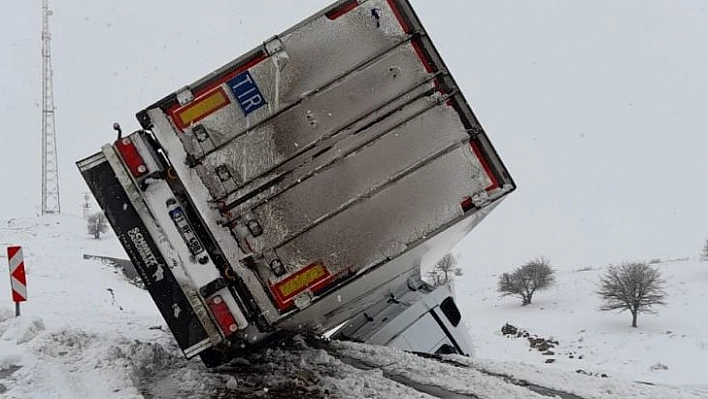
96	224
444	271
633	286
535	275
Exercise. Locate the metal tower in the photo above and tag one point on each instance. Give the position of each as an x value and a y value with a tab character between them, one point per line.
50	170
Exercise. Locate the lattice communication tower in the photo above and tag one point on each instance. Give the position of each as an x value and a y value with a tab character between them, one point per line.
50	169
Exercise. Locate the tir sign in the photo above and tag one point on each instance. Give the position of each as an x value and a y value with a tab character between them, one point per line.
246	92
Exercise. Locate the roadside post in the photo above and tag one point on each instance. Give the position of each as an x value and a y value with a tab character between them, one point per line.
18	280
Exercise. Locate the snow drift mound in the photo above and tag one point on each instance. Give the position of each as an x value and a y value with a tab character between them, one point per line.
84	331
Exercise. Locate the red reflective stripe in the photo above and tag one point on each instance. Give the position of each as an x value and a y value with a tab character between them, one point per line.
17	297
418	47
199	91
341	10
485	165
280	303
12	251
284	300
178	116
399	16
18	279
248	64
19	274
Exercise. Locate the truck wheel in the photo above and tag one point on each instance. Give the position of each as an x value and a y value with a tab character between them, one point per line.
212	358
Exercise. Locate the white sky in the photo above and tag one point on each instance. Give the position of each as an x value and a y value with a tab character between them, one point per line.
598	108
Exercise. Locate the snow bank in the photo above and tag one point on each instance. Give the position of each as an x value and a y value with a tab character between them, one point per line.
84	331
21	329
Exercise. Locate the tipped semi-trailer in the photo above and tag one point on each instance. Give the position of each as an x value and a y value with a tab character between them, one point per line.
288	188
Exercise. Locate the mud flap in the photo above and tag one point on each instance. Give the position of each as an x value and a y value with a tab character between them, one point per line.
171	300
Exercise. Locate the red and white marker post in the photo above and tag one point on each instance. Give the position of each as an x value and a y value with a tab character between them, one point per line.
18	281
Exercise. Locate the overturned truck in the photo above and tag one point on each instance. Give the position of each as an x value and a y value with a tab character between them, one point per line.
291	187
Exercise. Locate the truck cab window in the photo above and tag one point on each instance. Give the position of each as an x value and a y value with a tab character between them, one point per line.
446	349
450	310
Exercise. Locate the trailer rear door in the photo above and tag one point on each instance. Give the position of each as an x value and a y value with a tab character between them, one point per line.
331	149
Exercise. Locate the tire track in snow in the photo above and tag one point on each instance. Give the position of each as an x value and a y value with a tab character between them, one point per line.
431	390
427	374
507	378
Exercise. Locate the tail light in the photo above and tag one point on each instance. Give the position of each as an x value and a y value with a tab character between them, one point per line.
131	157
223	315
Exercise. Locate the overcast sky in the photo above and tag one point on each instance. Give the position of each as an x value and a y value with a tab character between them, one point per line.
598	108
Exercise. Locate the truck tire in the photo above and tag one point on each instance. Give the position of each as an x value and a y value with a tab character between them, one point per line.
212	358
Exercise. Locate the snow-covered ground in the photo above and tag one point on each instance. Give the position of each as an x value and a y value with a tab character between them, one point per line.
86	333
670	347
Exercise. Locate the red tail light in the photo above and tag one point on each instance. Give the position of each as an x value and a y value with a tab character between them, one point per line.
131	156
223	315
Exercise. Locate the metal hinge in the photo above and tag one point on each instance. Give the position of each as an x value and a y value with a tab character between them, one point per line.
480	199
226	178
274	45
184	96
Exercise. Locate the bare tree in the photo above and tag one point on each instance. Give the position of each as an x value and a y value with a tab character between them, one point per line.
535	275
444	271
704	252
96	224
434	278
633	286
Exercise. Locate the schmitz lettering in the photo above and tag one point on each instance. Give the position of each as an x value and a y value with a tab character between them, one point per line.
152	266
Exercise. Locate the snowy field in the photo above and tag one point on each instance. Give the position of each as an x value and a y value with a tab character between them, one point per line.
87	333
670	347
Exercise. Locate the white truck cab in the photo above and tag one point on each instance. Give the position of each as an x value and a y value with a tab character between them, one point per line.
415	317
